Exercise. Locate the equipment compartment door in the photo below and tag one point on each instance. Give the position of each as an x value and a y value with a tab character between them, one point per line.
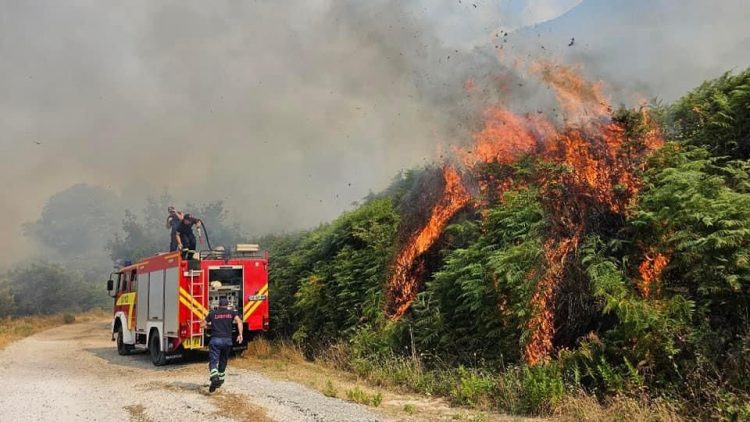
156	296
171	300
141	304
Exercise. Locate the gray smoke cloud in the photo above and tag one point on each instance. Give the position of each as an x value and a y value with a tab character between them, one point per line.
645	48
271	106
287	110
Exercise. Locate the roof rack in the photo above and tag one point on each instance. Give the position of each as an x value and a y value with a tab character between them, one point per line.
240	252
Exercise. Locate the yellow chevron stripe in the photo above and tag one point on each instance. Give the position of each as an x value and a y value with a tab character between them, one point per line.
263	290
193	307
250	311
255	304
184	293
194	310
249	304
193	304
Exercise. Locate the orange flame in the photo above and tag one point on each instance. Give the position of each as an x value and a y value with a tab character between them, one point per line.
403	287
540	325
601	169
650	270
579	98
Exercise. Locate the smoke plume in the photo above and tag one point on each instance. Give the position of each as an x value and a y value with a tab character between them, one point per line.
290	111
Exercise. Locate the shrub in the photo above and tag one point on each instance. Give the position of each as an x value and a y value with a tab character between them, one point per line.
329	390
472	388
543	387
360	396
376	399
69	318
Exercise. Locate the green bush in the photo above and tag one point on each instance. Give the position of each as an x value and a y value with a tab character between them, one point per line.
360	396
715	116
69	318
542	387
472	388
330	390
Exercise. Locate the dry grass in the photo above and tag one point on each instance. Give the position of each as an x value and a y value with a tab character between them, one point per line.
137	413
230	405
285	351
236	406
13	329
284	360
584	407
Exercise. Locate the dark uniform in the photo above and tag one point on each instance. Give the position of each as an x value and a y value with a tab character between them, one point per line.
174	222
221	321
185	231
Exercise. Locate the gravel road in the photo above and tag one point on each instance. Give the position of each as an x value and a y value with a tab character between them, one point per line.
73	373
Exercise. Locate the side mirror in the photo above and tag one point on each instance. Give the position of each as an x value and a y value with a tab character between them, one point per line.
110	285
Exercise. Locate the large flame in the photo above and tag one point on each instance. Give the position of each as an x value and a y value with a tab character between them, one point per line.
600	171
404	282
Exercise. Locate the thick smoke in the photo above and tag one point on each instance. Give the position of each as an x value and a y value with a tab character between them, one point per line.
289	111
644	49
275	107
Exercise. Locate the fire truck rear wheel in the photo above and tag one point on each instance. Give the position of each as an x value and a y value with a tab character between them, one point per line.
122	348
158	357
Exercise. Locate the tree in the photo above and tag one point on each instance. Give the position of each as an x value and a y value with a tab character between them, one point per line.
145	234
77	220
220	231
7	301
45	288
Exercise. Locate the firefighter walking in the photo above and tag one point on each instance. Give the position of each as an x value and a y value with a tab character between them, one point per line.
221	320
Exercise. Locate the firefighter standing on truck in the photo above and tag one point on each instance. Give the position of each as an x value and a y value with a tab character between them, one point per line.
184	232
221	340
174	218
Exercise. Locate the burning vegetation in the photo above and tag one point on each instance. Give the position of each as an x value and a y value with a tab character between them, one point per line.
593	167
577	252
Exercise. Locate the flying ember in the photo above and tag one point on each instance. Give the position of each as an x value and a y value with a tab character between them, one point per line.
594	167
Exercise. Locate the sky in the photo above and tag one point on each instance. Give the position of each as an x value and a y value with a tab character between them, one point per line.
288	111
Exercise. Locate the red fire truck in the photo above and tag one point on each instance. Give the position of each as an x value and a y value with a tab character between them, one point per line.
160	300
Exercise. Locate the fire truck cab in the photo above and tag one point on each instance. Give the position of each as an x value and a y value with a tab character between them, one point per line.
160	301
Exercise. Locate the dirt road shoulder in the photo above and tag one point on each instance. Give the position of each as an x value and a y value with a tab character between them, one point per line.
73	372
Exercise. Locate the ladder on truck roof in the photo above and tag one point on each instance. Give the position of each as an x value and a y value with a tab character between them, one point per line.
197	290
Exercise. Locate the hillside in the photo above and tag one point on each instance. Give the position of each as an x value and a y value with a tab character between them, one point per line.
546	260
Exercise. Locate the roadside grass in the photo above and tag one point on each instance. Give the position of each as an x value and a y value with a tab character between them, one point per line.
584	407
403	388
285	360
15	328
360	396
329	390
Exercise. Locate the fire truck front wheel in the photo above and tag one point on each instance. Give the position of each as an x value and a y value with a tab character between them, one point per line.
158	357
122	348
